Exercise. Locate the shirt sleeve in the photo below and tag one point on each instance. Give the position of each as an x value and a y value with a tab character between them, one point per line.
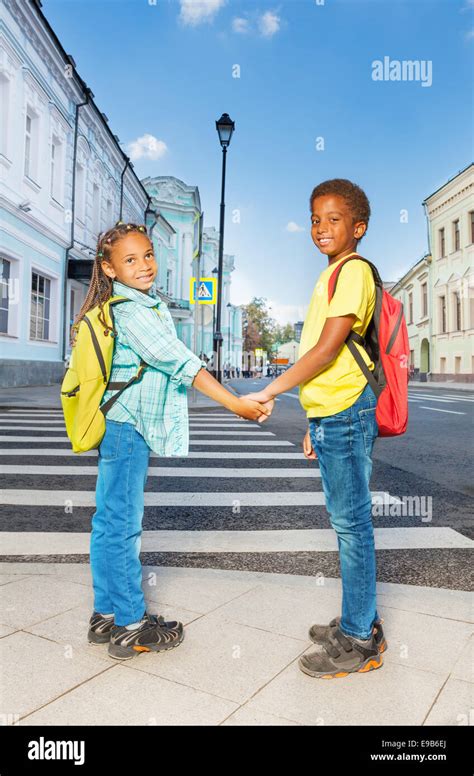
149	336
354	291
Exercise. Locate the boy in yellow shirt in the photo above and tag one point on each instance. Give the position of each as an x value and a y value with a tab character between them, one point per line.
340	406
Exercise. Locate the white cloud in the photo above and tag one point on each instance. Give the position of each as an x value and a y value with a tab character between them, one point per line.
294	227
194	12
240	24
269	24
266	24
146	147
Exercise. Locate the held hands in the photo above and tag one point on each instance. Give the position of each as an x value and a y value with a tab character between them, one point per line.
253	410
263	398
308	447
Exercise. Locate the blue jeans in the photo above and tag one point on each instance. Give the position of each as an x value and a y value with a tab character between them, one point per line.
343	443
117	523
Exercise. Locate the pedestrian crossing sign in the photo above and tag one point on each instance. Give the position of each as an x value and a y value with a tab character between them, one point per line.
204	290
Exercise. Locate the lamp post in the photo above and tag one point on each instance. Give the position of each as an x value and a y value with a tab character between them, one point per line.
231	311
214	272
225	128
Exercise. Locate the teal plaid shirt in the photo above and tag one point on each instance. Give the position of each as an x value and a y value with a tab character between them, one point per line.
156	404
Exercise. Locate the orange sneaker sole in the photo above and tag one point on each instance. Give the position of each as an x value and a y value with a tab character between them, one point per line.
372	665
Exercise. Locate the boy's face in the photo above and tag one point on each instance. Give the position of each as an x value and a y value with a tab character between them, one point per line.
332	227
132	262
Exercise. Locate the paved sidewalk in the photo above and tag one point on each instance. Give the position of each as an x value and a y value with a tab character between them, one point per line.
238	662
47	397
440	386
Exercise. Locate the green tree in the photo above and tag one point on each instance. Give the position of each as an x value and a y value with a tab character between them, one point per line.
284	333
259	326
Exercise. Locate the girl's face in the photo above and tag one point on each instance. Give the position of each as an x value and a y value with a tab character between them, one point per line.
132	262
332	227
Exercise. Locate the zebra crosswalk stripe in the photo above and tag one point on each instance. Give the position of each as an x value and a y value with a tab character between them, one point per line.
302	540
208	442
86	498
165	471
39	451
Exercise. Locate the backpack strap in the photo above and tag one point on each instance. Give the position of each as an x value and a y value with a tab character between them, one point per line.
353	336
350	339
114	386
335	275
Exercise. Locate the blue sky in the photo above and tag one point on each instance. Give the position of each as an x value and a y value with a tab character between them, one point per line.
163	73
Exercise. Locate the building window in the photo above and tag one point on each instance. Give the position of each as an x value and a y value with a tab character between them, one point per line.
80	191
95	211
5	267
31	143
4	118
442	310
110	212
56	169
412	358
457	309
28	146
457	364
442	244
456	235
442	365
169	281
40	306
424	299
471	221
410	307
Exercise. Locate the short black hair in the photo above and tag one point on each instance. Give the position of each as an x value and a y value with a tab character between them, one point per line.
355	198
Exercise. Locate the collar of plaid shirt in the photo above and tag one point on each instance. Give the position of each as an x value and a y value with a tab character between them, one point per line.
149	300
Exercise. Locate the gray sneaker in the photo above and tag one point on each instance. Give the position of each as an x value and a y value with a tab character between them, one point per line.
320	633
99	628
340	656
153	635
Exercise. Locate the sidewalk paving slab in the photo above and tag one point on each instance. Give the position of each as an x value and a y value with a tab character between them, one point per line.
238	662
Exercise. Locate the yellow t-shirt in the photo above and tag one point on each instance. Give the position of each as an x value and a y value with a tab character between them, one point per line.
341	383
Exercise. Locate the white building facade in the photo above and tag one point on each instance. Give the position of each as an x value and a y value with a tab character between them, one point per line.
450	212
414	290
179	205
64	179
438	291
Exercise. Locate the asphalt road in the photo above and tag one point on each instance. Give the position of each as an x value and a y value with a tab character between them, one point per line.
245	496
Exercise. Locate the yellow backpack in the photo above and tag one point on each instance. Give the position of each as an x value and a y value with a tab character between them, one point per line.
87	379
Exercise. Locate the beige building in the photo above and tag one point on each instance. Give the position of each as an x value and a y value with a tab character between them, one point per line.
438	291
414	291
289	350
450	213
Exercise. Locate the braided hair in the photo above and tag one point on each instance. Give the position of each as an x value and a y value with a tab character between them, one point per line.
100	287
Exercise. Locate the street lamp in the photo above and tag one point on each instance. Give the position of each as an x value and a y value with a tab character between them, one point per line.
225	128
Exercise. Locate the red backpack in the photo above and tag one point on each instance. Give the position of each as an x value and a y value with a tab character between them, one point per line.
386	343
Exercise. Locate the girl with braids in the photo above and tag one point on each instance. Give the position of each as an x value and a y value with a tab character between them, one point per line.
151	414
